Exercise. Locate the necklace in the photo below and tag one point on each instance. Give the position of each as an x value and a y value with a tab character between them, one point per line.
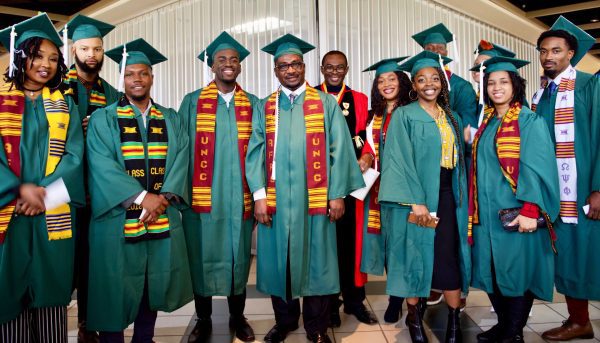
32	91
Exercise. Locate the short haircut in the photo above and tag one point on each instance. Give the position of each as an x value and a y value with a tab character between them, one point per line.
334	52
569	38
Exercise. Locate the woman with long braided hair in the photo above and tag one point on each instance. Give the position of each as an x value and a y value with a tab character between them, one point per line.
423	198
40	156
513	168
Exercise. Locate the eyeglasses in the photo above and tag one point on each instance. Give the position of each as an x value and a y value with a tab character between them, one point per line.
340	68
294	65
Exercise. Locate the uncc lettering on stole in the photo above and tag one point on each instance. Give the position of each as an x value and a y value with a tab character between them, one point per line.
203	159
316	153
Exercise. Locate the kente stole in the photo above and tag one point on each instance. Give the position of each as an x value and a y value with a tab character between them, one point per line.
508	150
12	108
316	152
374	221
204	148
564	134
96	99
150	177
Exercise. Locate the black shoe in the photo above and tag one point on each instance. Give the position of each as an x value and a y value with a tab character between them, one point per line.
394	309
278	333
202	331
453	332
334	319
362	314
492	335
513	339
414	322
318	338
243	330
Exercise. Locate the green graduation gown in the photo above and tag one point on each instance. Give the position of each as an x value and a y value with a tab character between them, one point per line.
463	100
310	241
118	270
411	175
36	272
83	97
522	261
577	267
218	242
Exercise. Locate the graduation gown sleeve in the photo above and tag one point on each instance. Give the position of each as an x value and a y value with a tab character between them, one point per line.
176	177
255	157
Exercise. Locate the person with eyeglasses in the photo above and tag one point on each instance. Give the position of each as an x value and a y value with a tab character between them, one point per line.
300	166
354	106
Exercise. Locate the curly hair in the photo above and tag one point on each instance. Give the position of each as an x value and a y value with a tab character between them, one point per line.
518	85
29	48
443	100
378	102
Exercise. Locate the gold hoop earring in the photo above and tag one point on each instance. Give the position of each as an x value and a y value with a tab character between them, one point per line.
410	95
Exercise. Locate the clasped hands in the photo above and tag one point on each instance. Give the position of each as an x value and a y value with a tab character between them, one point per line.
336	211
155	205
30	201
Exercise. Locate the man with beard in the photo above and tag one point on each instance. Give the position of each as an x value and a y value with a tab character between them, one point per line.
300	165
354	106
90	92
569	100
218	223
138	159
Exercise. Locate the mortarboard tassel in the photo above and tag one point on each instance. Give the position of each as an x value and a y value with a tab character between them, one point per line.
481	69
65	39
124	63
441	61
206	69
11	65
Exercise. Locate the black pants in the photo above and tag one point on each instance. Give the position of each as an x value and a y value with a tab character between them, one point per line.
236	304
346	248
46	324
316	310
143	326
512	312
82	261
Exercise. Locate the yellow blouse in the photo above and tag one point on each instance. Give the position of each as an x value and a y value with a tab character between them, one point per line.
449	149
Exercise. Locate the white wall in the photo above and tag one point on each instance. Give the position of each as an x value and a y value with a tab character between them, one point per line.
367	30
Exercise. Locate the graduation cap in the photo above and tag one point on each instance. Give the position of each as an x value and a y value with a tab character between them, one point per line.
82	27
438	34
426	59
386	65
38	26
135	52
492	49
584	40
288	44
222	42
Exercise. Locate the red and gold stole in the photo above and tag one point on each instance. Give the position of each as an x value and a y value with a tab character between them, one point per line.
508	150
316	152
12	107
204	149
374	221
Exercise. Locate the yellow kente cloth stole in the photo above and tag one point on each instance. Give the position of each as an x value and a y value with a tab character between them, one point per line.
316	153
374	220
96	98
204	148
12	107
151	178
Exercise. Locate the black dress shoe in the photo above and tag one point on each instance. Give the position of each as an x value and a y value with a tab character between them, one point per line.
318	338
334	319
279	333
362	314
492	335
394	309
202	331
243	330
414	322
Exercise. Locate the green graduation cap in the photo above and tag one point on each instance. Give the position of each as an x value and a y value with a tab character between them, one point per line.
438	34
138	52
501	63
288	44
492	49
38	26
386	65
222	42
422	60
584	40
82	27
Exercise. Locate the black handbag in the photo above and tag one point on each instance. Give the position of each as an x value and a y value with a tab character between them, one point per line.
507	215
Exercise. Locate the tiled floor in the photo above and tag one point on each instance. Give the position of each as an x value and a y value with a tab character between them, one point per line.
175	326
